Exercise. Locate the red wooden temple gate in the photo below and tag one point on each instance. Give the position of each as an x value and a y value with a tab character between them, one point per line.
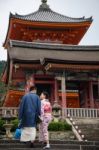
44	51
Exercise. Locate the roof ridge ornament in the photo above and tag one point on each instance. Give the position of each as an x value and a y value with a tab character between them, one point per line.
44	6
44	1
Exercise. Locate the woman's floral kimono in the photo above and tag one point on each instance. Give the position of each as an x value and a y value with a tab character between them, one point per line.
46	116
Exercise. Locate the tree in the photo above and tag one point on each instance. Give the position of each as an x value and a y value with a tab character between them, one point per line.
2	85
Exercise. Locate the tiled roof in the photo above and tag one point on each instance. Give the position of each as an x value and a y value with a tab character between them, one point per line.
45	14
37	51
54	46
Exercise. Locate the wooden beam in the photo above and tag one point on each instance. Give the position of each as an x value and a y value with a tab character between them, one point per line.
34	66
43	76
43	82
77	67
50	25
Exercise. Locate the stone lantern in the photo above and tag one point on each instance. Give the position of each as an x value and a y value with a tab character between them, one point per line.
8	125
57	111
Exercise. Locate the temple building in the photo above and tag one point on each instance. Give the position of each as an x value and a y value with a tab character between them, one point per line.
43	49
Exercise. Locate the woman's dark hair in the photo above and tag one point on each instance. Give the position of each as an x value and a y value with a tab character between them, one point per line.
32	88
46	94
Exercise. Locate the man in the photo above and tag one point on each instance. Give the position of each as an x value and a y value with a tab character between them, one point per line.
30	108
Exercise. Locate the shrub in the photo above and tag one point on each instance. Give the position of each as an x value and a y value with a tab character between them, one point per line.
59	126
2	122
15	124
53	126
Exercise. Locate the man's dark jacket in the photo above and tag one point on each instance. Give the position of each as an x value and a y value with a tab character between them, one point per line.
30	107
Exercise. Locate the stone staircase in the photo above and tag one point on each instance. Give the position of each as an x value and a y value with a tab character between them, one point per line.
55	145
89	127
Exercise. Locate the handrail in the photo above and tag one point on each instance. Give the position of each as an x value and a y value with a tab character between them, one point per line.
73	112
82	112
12	110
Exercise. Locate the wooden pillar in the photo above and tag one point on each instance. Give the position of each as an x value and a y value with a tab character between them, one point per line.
86	95
63	89
52	98
56	90
10	72
98	86
30	82
91	94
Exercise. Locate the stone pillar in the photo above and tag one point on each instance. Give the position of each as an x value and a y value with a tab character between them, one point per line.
63	89
57	110
91	94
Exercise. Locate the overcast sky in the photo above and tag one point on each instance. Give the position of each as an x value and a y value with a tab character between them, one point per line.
71	8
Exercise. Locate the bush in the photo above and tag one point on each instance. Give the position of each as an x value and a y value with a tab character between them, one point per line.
59	126
53	126
15	124
2	122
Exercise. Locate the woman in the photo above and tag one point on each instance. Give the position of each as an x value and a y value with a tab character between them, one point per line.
46	116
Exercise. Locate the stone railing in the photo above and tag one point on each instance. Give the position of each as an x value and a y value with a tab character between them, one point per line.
73	112
12	110
81	112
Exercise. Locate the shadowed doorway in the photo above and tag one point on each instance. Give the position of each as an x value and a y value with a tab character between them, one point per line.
44	87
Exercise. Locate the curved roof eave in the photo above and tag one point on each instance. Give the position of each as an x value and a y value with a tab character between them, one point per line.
45	14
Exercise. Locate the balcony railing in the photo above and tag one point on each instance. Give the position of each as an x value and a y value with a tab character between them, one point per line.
81	112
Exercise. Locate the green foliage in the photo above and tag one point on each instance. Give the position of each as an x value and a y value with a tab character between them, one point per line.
2	122
53	126
2	91
15	124
2	85
59	126
2	65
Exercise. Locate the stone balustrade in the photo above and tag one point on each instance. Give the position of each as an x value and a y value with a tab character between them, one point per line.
73	112
12	110
81	112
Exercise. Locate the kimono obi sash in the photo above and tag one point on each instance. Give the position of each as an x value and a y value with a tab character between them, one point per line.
47	107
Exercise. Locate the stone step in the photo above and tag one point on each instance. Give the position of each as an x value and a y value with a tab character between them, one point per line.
53	142
34	149
55	145
61	146
89	127
85	147
89	147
